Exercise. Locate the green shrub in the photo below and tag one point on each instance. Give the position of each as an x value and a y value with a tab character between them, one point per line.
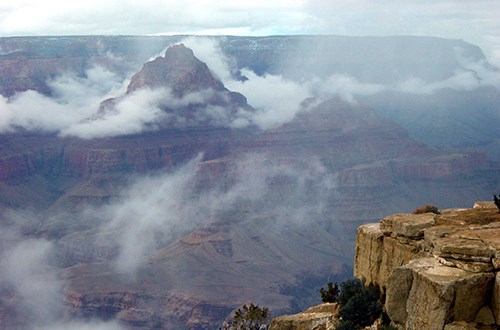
426	209
359	304
387	327
331	293
348	289
346	325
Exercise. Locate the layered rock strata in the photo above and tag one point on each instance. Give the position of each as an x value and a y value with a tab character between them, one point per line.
436	270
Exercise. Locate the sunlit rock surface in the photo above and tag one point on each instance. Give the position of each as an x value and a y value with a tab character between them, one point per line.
443	267
321	317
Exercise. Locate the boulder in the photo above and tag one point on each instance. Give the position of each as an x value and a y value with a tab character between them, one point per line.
321	317
378	255
460	325
397	294
426	294
368	256
407	225
495	300
485	316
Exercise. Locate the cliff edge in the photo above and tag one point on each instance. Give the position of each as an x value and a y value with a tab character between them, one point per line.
438	271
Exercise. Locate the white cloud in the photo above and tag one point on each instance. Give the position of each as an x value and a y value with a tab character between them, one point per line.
156	207
25	267
132	114
74	108
75	98
474	75
277	99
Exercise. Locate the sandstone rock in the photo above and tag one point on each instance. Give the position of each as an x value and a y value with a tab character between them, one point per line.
460	325
378	255
485	316
332	308
396	254
495	300
179	69
484	205
447	276
408	225
470	266
368	254
321	317
413	225
437	293
397	294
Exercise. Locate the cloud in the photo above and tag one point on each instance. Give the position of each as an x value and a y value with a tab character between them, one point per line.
156	210
89	325
152	210
25	267
209	52
73	109
473	75
135	113
75	98
277	99
147	110
29	276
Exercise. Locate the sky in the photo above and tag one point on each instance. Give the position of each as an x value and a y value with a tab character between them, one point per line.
473	21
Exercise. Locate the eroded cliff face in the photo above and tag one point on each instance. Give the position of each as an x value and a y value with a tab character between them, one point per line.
437	271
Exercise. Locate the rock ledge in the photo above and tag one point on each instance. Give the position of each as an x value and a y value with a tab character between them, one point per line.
436	270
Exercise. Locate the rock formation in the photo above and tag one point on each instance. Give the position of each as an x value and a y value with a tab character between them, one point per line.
435	269
193	96
179	69
321	317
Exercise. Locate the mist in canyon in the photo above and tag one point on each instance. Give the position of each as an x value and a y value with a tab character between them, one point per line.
252	216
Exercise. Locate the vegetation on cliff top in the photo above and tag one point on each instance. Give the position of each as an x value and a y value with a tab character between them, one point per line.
360	305
250	317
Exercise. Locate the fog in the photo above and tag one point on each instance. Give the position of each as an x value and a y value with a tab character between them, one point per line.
74	100
156	210
75	109
31	286
151	212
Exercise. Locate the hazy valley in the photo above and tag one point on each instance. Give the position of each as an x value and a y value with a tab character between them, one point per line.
145	186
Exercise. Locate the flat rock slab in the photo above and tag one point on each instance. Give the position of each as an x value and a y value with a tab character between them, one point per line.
407	225
321	317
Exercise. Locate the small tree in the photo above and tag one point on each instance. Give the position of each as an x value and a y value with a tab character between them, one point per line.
330	294
359	304
348	289
250	317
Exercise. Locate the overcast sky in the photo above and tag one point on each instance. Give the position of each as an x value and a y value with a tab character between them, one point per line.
475	21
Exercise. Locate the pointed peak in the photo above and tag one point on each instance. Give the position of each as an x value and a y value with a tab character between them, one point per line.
179	70
179	51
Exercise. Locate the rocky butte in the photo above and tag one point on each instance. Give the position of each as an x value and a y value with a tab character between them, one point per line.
436	271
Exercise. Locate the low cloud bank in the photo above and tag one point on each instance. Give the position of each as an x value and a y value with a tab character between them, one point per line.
73	110
32	292
74	99
156	210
